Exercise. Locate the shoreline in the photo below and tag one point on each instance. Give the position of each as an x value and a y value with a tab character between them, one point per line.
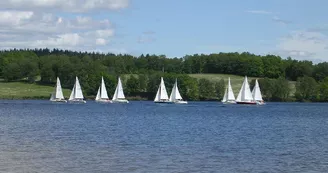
142	99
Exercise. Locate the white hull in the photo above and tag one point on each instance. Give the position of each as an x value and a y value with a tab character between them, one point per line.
104	101
180	102
260	103
163	101
229	102
120	101
63	101
77	101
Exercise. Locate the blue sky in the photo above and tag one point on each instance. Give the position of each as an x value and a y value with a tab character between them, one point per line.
296	28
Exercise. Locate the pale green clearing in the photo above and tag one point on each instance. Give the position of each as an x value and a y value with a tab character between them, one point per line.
22	90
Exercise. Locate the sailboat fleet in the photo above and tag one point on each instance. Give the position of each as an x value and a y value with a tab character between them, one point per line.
77	94
245	95
162	96
102	95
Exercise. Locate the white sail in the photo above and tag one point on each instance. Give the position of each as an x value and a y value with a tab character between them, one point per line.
71	97
98	94
103	90
175	94
230	95
77	91
119	93
245	94
161	92
157	97
256	93
224	99
52	97
59	91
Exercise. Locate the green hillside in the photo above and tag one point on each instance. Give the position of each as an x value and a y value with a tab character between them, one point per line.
22	90
236	81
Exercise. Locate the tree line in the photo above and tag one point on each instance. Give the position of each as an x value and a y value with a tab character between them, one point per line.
142	74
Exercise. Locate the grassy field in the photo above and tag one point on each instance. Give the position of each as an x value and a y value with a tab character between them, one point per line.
236	81
22	90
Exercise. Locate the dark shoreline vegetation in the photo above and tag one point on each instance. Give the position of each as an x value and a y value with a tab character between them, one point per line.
35	70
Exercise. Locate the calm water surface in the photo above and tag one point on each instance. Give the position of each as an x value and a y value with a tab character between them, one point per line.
38	136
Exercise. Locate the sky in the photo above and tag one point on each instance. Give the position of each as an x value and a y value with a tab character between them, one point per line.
175	28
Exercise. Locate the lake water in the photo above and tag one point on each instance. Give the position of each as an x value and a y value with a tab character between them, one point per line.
38	136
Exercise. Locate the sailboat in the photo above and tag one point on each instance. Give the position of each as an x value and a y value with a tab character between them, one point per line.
119	96
57	95
161	95
245	94
229	97
175	96
76	94
256	93
102	95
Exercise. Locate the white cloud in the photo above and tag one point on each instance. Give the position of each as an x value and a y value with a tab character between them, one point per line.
101	41
38	24
28	29
14	18
304	45
64	5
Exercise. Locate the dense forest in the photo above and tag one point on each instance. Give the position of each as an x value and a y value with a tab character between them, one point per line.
141	75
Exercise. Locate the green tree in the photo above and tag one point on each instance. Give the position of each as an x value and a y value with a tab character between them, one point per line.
323	89
306	89
143	80
206	89
220	89
12	72
281	89
132	85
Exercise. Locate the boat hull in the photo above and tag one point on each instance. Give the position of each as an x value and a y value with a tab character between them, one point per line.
59	101
229	102
77	101
165	102
180	102
260	103
247	103
104	101
120	101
